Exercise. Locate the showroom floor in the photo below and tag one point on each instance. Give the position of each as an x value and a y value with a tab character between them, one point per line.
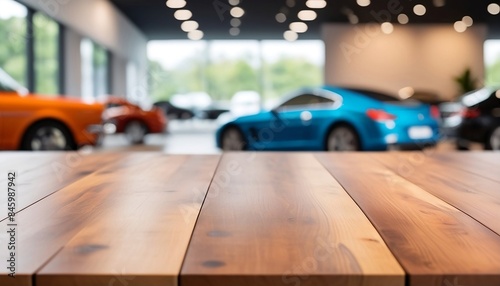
192	137
189	137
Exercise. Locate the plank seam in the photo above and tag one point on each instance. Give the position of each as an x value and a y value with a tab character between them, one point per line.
198	217
436	196
407	276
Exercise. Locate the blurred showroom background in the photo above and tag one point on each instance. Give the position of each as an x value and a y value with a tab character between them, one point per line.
94	48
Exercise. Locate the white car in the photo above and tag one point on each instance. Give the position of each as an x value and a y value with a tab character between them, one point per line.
245	103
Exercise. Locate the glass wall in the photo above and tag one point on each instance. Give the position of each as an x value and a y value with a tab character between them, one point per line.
492	62
46	43
13	36
222	68
95	72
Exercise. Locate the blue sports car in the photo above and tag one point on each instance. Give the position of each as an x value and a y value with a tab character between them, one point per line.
333	119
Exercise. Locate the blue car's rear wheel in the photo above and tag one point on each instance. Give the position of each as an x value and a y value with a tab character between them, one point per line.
232	140
343	138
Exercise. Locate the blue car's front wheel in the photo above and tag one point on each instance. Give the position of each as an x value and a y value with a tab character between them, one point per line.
232	139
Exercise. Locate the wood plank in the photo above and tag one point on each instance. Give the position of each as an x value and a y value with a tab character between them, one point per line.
41	174
274	219
142	232
473	194
44	228
482	164
435	243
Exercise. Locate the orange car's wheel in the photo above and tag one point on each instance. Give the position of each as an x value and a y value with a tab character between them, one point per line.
48	136
135	131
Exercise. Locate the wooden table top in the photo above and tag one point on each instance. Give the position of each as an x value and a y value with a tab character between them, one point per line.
371	219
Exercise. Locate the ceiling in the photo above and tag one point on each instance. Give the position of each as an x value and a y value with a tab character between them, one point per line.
157	21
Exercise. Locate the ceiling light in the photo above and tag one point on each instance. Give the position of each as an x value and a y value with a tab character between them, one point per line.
183	15
290	36
419	10
460	26
290	3
234	31
387	28
307	15
237	12
235	22
195	35
353	19
494	9
439	3
403	19
189	26
280	17
363	3
176	4
234	2
406	92
468	21
298	27
316	4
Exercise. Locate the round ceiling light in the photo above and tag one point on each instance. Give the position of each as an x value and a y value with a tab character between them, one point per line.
298	27
235	22
176	4
387	28
237	12
468	21
460	26
234	31
363	3
195	35
316	4
280	17
189	26
419	10
307	15
403	19
183	15
290	36
494	9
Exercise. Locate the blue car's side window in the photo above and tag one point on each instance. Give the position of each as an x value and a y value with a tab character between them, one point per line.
306	101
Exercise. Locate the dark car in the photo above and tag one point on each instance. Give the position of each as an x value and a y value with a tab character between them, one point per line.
174	112
212	112
480	119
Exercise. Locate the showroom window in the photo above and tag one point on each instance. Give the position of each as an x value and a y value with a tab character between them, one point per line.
14	36
222	68
492	62
95	69
46	43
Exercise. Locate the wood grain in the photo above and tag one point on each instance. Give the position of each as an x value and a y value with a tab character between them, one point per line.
141	233
42	174
482	164
279	219
435	243
44	228
448	180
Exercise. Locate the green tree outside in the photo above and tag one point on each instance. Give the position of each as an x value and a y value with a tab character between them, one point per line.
223	78
13	48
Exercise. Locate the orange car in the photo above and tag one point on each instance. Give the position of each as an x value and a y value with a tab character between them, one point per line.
132	120
28	122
